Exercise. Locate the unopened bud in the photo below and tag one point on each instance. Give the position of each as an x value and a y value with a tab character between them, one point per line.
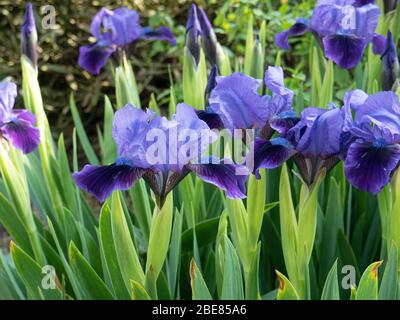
390	64
29	37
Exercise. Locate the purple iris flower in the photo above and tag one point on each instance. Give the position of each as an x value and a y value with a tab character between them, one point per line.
29	37
235	103
115	30
16	126
182	141
236	100
343	28
375	152
390	64
316	141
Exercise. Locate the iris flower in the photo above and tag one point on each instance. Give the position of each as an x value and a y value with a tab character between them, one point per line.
16	126
235	103
115	30
343	28
375	152
133	130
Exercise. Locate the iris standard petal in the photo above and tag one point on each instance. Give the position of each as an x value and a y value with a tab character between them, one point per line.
130	129
299	28
101	181
381	109
21	132
118	27
323	138
235	99
97	29
282	97
226	176
368	167
193	137
8	93
93	57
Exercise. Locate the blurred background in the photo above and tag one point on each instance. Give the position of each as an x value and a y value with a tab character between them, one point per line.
59	74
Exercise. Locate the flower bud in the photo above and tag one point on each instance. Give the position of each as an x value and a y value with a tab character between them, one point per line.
208	37
193	31
212	80
390	64
389	5
29	38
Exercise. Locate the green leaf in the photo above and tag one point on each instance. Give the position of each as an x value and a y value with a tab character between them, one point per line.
308	220
389	284
108	147
346	252
194	79
232	286
316	82
141	204
286	290
139	292
220	251
151	283
252	281
13	224
326	93
332	223
160	233
126	90
32	276
248	57
91	284
110	255
289	228
331	287
206	232
175	253
256	207
368	286
199	287
83	138
127	257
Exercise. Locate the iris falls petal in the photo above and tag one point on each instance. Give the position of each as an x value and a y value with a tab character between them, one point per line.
368	167
101	181
269	154
93	57
21	131
226	176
